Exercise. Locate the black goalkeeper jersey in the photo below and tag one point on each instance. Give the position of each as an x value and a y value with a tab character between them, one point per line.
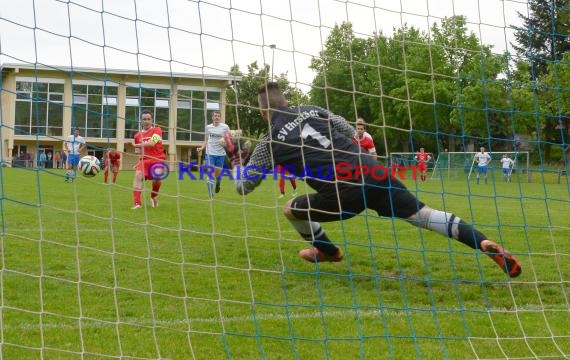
309	142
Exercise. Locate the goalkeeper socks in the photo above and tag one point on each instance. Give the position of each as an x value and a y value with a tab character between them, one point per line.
313	232
449	225
137	196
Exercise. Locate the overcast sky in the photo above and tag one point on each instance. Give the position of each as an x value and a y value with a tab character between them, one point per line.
207	37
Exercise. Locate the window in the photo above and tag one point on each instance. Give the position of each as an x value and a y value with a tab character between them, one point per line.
141	98
95	109
39	107
194	111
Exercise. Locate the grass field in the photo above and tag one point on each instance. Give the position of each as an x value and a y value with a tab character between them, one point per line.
85	277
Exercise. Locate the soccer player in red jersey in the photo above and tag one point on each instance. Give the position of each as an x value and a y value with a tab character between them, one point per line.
364	139
422	158
282	172
148	141
112	160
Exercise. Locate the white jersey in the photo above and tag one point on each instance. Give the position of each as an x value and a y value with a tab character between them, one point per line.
482	158
73	144
507	162
214	135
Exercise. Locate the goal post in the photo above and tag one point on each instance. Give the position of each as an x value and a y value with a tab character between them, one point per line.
455	165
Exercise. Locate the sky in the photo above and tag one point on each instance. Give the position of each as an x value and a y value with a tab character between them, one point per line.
208	37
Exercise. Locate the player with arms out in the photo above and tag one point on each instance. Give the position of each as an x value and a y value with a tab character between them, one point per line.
112	160
73	146
422	158
148	141
483	160
507	164
312	138
215	150
364	139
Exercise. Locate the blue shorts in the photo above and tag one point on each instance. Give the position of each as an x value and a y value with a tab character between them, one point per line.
73	159
482	169
506	171
215	160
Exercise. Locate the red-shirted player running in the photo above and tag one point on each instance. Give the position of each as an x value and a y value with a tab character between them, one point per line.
149	143
112	159
422	158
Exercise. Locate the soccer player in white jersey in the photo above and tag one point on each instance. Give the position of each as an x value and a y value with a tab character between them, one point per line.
483	160
215	150
73	146
507	165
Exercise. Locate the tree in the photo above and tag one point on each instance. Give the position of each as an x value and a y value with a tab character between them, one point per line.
242	109
543	38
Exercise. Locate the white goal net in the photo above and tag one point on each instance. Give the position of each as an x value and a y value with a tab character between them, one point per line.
206	273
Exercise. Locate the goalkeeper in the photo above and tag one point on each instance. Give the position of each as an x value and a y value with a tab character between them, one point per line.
312	138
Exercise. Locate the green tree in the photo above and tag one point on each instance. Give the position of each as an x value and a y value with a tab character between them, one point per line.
543	37
339	69
242	109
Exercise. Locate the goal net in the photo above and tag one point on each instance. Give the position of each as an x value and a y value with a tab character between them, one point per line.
459	165
409	159
202	272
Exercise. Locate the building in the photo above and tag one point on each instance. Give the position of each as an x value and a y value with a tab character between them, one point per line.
41	105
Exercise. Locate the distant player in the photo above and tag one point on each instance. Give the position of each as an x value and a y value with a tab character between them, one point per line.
72	147
422	159
483	160
507	164
112	160
215	149
148	141
364	139
282	182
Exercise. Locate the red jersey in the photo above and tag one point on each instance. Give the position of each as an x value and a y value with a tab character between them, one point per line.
365	143
114	156
155	152
422	158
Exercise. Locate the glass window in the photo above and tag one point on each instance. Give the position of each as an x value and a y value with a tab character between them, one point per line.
193	108
39	108
80	99
92	108
154	99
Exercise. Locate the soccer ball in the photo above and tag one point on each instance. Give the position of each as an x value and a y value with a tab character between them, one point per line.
89	166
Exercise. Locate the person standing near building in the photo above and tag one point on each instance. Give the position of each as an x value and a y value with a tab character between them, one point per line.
112	161
214	143
72	147
148	141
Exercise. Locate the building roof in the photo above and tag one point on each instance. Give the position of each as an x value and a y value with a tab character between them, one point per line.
85	70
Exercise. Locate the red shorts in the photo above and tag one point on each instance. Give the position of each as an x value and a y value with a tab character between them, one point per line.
422	167
145	165
114	166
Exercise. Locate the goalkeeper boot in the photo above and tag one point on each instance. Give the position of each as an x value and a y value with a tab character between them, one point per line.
315	255
504	259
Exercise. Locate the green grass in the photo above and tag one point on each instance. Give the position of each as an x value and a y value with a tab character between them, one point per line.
84	277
